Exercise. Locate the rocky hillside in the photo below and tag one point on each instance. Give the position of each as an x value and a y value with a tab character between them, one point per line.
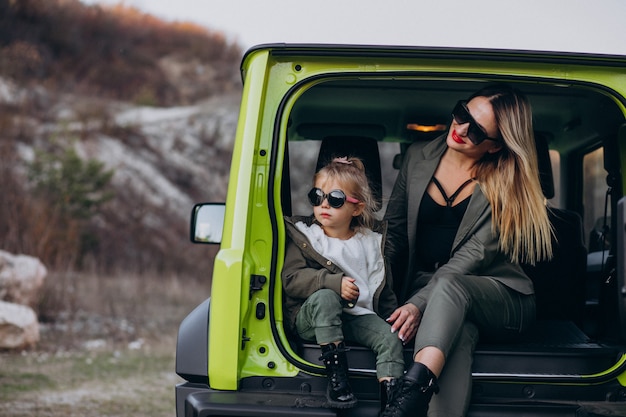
165	137
115	52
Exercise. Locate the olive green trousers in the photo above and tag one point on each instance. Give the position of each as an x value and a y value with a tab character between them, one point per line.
322	319
459	309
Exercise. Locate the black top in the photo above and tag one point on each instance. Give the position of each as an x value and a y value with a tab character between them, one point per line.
437	226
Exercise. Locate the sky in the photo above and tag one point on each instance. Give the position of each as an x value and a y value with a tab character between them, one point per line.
548	25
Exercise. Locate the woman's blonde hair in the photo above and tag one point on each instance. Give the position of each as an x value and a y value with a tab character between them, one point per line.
350	172
510	179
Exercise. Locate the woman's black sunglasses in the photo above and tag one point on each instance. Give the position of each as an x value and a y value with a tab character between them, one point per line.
475	133
336	198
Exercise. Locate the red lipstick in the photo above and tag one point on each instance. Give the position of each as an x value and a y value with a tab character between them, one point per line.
457	138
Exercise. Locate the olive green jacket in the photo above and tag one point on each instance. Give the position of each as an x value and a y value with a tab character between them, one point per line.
475	250
306	271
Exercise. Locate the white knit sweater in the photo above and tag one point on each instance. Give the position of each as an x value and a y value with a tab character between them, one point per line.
359	257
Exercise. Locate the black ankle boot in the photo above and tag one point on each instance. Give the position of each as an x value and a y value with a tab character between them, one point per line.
339	394
387	391
415	389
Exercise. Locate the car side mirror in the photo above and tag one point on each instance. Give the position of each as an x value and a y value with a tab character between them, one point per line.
207	222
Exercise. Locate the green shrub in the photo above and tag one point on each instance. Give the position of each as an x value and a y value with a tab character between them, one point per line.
74	187
67	193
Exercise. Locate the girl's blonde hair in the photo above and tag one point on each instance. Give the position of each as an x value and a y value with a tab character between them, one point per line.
510	179
350	173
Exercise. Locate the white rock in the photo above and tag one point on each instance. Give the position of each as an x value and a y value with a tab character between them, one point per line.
19	327
21	278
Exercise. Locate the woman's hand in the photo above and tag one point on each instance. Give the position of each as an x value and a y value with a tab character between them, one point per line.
405	320
349	290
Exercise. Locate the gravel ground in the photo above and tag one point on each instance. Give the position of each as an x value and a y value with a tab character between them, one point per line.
106	356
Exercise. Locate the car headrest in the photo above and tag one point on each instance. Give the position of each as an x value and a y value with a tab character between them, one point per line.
545	166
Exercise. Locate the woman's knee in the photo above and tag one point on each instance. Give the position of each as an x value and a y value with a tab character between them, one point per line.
450	285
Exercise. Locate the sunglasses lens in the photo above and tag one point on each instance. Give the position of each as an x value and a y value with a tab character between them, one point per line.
475	134
461	115
316	196
336	198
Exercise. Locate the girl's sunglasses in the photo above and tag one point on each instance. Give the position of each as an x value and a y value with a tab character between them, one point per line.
475	133
336	198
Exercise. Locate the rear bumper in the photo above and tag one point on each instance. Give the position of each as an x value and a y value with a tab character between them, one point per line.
198	400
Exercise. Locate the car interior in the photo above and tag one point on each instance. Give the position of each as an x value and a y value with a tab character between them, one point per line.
580	327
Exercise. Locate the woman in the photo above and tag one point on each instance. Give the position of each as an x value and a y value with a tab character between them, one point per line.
468	208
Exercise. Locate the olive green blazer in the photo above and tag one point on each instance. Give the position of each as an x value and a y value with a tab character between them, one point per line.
475	250
306	271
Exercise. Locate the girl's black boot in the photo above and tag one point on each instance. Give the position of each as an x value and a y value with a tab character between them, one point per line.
415	389
339	394
387	391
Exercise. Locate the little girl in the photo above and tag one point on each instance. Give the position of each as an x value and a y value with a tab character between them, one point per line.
335	279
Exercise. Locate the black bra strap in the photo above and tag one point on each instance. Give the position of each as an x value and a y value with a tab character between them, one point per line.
450	200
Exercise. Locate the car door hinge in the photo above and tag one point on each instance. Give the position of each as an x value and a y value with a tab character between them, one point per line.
256	284
244	339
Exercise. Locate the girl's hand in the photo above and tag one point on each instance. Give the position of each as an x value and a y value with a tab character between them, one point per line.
405	320
349	290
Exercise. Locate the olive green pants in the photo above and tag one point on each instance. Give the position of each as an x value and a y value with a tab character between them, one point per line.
460	307
322	319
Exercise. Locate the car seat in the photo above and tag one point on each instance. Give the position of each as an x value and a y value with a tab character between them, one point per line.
560	282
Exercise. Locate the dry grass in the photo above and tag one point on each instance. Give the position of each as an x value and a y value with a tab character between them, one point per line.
107	348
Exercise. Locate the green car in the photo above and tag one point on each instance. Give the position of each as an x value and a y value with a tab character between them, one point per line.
301	102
